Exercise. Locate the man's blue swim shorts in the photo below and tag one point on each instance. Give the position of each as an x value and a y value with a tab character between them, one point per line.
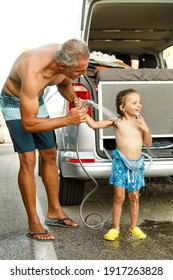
25	141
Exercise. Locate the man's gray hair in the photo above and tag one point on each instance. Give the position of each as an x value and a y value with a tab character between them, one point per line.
72	51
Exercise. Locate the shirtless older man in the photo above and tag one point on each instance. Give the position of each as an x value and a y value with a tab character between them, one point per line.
31	128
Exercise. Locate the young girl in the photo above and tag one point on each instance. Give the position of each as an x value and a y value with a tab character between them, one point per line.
131	132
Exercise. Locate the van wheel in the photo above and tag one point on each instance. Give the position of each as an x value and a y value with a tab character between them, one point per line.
71	191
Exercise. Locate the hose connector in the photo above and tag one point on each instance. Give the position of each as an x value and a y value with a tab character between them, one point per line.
87	102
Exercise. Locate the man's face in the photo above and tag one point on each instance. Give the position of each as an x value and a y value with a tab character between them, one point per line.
74	72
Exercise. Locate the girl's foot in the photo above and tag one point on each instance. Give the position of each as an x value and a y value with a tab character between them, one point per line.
137	233
112	234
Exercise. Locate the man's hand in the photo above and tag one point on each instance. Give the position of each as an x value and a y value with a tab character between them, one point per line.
77	116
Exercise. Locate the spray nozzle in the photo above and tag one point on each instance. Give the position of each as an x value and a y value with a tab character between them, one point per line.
87	102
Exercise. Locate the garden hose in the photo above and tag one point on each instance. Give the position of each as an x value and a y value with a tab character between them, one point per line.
84	220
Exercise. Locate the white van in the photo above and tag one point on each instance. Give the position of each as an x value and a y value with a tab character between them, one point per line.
2	137
136	33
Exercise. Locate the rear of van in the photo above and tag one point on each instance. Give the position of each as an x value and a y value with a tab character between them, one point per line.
136	33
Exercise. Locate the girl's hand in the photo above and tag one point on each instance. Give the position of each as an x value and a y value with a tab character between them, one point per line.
114	120
147	139
141	123
77	102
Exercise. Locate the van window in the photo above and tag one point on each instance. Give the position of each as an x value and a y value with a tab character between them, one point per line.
168	57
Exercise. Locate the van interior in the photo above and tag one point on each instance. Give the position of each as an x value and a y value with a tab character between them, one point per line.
133	31
136	33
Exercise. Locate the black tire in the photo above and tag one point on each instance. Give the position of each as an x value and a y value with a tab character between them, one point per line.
71	191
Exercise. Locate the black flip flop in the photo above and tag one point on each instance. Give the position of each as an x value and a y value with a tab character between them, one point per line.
59	223
32	235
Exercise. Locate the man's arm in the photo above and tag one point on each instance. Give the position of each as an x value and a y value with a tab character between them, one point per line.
66	89
29	106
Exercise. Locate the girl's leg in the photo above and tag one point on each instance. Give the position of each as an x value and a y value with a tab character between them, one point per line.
134	208
119	196
134	213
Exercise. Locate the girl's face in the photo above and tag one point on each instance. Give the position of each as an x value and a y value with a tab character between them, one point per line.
132	106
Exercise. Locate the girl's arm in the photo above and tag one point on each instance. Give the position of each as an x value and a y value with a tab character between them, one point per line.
147	139
98	124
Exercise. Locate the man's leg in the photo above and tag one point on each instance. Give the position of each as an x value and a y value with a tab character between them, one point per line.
50	179
27	185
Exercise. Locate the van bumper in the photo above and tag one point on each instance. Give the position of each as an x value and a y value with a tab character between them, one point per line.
101	169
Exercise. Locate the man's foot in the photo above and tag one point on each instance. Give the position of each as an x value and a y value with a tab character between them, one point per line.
60	222
38	232
59	218
112	234
41	236
137	233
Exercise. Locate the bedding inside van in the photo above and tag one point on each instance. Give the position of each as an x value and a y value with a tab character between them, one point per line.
134	75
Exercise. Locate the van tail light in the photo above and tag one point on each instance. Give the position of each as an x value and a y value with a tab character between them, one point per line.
81	92
83	160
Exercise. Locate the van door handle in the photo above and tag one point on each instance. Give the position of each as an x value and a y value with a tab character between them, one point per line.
171	124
